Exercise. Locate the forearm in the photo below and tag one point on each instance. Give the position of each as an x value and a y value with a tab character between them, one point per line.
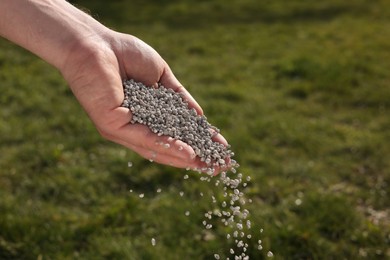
50	29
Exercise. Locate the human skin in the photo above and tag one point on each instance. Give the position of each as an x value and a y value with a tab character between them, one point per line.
94	60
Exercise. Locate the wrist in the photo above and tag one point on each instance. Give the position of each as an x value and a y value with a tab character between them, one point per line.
75	34
51	29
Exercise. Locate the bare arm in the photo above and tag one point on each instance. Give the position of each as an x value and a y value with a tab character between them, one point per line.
48	28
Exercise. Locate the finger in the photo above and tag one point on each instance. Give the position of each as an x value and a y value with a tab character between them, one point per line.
217	137
164	157
220	139
141	136
167	159
169	80
169	151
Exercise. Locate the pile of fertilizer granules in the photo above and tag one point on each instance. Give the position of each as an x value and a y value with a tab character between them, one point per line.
166	113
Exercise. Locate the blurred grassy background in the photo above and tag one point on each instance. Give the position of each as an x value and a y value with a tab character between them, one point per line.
300	89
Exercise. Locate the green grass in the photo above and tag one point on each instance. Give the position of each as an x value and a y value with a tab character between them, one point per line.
299	88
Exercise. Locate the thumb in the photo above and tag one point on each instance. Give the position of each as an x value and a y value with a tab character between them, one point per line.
169	80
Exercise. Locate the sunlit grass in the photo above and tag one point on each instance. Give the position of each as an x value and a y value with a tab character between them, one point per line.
300	90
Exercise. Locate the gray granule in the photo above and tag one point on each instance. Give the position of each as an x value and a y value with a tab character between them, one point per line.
166	113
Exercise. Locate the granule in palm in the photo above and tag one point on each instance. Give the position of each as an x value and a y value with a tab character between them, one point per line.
165	112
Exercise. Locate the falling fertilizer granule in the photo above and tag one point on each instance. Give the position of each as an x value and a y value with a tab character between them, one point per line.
166	113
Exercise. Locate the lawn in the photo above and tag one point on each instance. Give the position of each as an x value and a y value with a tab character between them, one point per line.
299	88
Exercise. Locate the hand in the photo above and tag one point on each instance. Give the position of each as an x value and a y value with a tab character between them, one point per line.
95	70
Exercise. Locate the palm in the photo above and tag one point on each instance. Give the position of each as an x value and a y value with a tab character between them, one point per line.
97	84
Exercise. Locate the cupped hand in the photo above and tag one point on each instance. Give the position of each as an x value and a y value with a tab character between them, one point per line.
95	69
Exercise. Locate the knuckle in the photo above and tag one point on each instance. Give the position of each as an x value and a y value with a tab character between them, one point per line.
105	134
